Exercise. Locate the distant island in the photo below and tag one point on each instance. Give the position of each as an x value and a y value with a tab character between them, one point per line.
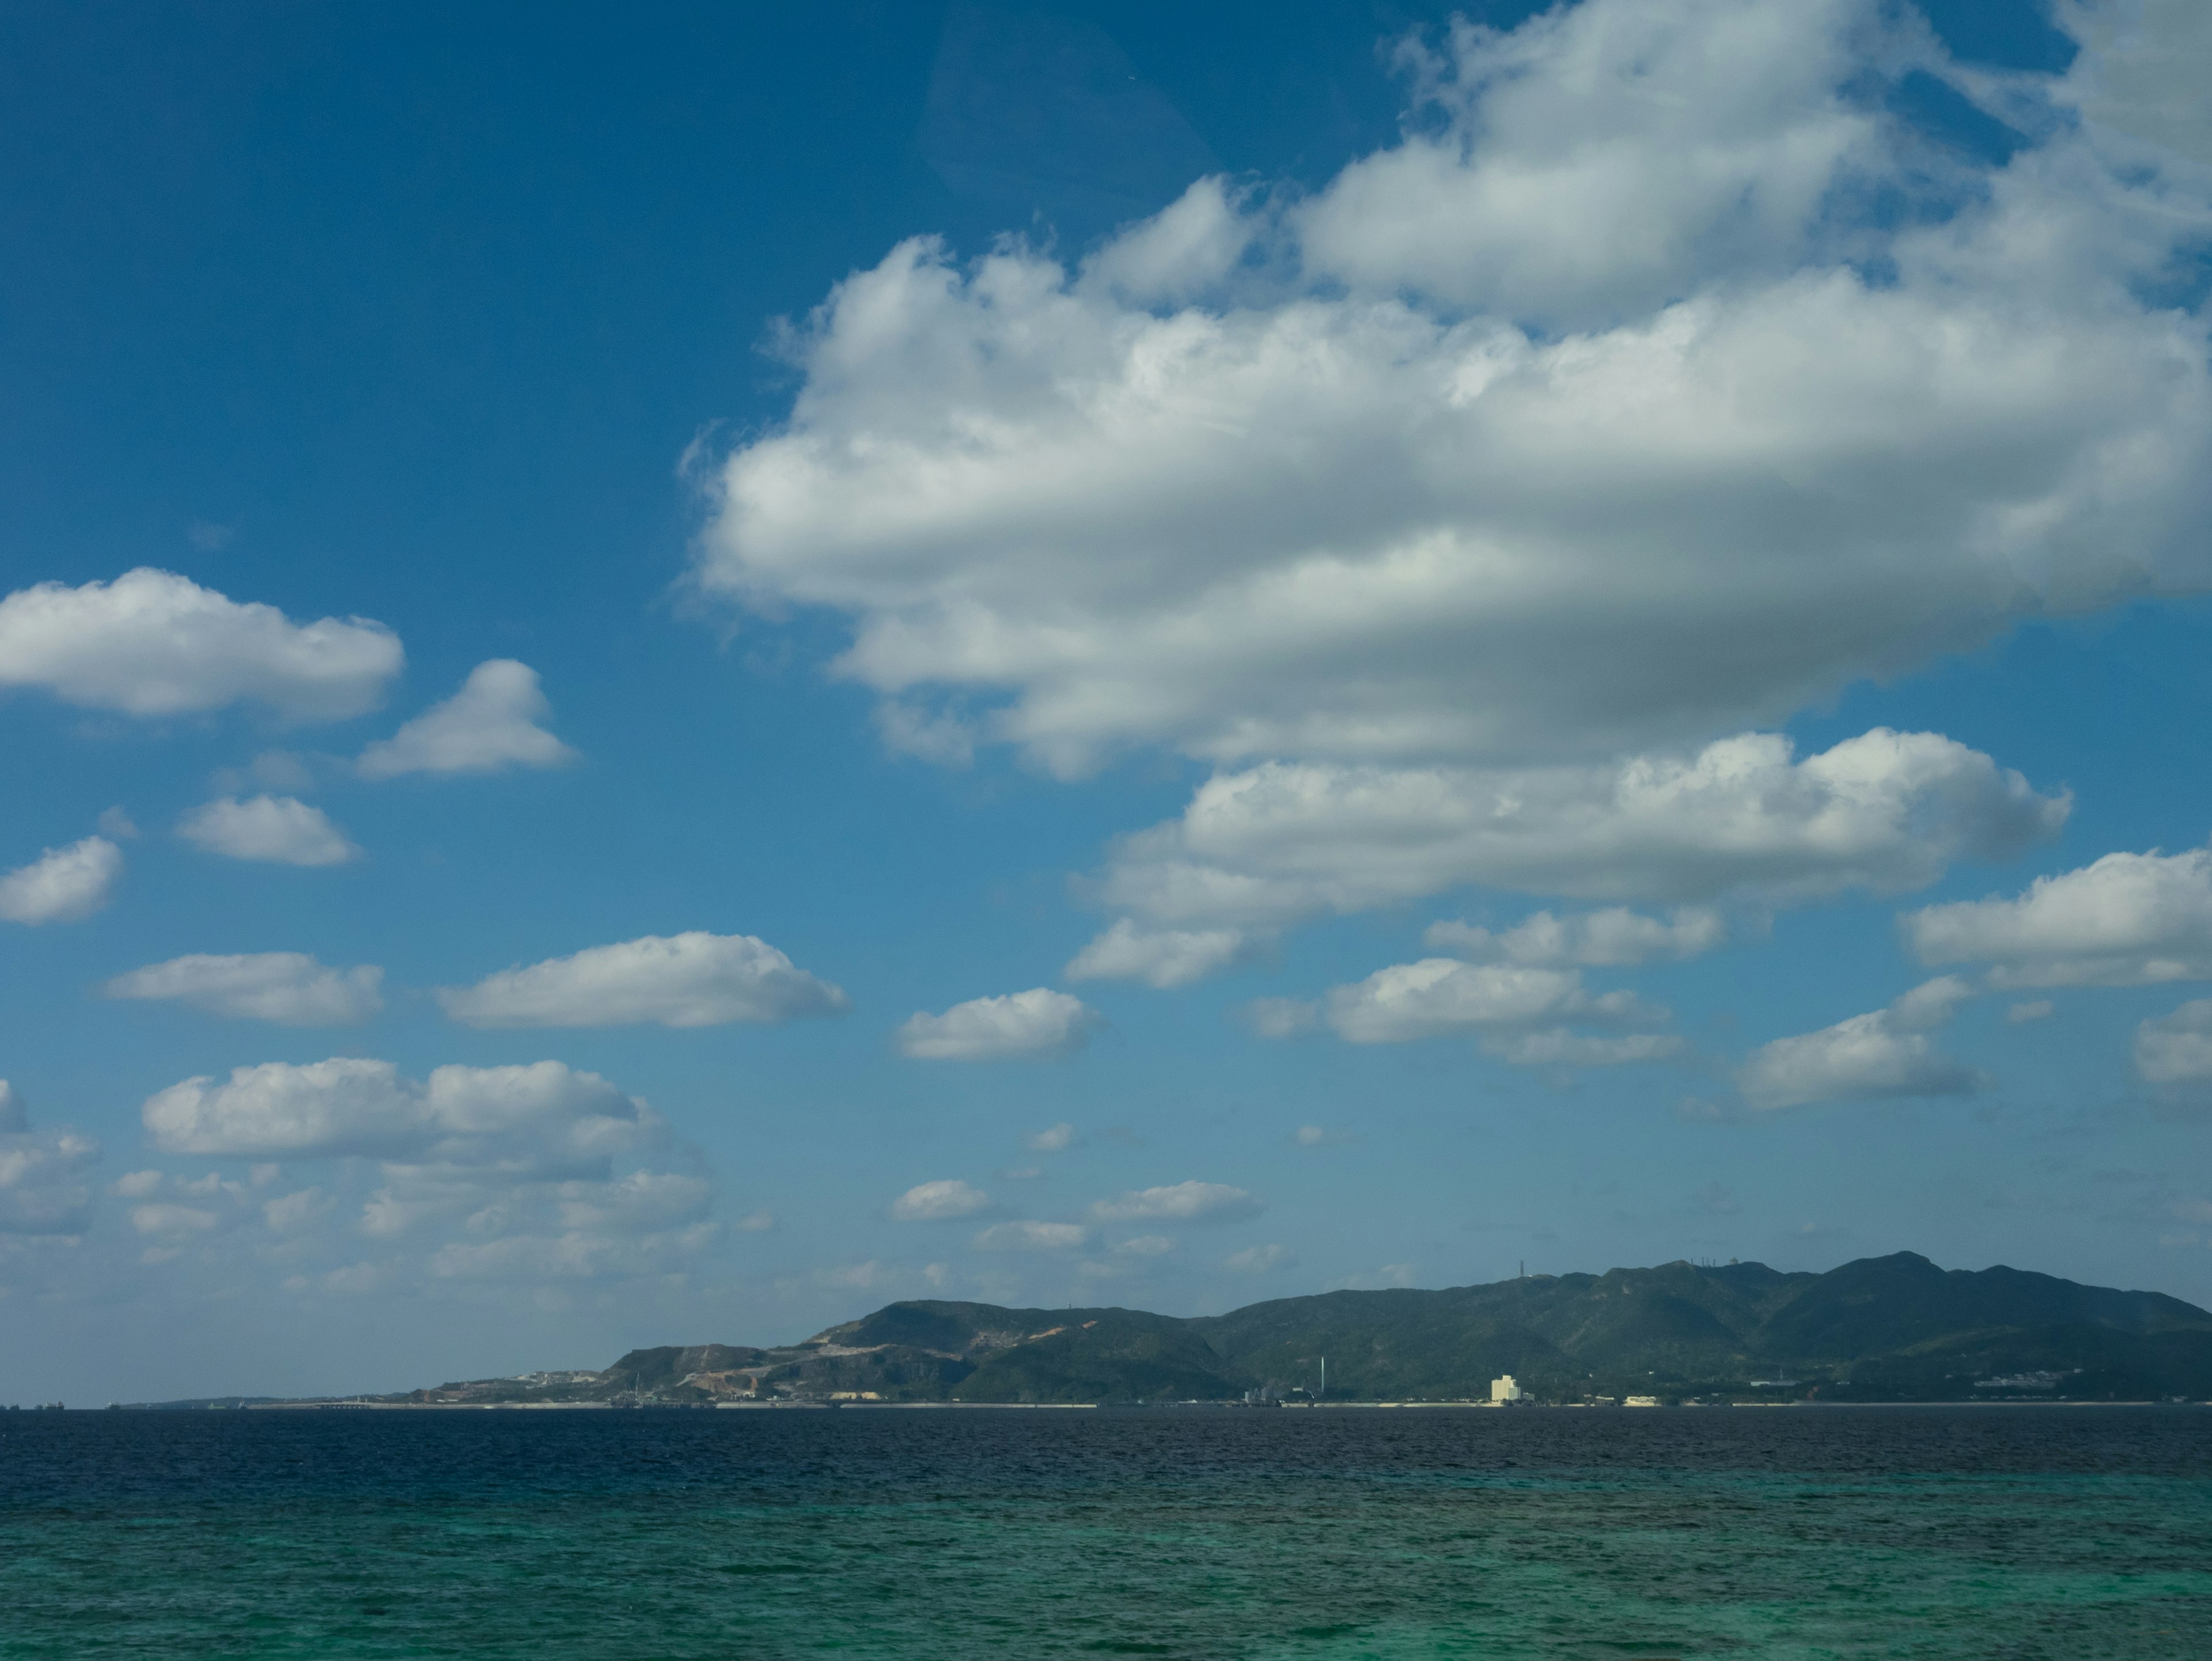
1894	1329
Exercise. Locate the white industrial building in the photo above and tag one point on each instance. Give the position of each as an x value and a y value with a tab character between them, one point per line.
1505	1390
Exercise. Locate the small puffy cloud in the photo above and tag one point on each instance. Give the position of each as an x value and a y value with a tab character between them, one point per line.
1440	996
1180	1202
1260	1260
2177	1048
693	979
540	1114
281	829
1884	1054
490	724
171	1221
755	1222
1613	938
135	1184
15	1116
1038	1022
1160	957
2128	920
289	1213
641	1202
2036	1009
289	988
45	1182
1145	1245
1280	1018
64	884
1028	1236
1058	1139
938	1202
1744	816
114	822
154	643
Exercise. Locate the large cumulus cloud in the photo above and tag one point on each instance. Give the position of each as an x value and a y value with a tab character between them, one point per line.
1602	413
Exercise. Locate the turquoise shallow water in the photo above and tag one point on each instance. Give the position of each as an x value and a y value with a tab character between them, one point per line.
1940	1533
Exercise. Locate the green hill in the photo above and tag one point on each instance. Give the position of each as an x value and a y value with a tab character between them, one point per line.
1881	1328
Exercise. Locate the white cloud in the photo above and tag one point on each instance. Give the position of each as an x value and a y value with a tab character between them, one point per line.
1884	1054
1885	812
1568	425
2038	1009
15	1116
1038	1022
154	643
1554	191
1058	1139
755	1222
692	979
572	1254
542	1115
940	1202
1163	957
2177	1048
490	724
173	1220
2128	920
642	1202
289	988
2146	68
1520	1014
1259	1259
64	884
1145	1245
1613	938
1180	1202
519	1174
1031	1237
44	1185
289	1213
137	1184
1280	1018
281	829
114	822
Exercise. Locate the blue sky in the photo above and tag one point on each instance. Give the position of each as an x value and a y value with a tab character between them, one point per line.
1060	654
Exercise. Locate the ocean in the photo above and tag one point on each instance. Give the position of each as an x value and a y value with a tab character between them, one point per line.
2079	1534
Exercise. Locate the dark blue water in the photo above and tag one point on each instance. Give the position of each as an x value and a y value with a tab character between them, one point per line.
1940	1533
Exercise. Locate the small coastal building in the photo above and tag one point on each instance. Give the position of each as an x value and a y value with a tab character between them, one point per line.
1506	1389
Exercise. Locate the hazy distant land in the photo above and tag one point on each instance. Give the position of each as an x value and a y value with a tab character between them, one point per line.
1893	1329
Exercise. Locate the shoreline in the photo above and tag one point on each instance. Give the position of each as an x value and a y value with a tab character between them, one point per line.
346	1405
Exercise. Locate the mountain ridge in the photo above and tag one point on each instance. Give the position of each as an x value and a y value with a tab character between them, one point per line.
1897	1328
